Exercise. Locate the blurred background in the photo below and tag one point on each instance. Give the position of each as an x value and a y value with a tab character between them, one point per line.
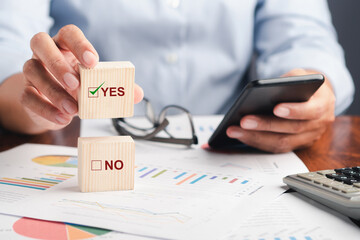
346	17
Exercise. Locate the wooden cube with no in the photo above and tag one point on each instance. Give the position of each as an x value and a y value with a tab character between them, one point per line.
107	90
106	163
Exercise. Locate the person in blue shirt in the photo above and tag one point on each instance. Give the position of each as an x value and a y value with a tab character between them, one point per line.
191	53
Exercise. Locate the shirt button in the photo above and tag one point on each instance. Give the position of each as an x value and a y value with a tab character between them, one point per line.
172	58
174	3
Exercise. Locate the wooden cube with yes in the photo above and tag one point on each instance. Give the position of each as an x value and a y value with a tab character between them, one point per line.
107	90
106	163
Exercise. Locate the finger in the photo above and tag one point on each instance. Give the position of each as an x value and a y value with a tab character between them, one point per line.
279	125
310	110
42	80
48	53
274	142
322	102
296	72
71	59
33	101
72	38
138	94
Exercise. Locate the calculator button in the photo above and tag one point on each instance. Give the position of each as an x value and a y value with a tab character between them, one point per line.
339	186
333	184
348	173
350	181
324	172
310	176
350	190
356	169
325	181
331	175
340	178
340	170
356	175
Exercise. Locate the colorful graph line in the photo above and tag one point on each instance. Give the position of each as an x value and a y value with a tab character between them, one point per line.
121	210
38	183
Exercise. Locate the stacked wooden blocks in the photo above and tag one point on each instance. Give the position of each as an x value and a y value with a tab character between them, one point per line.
106	163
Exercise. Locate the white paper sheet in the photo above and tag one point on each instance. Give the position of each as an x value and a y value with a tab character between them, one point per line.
293	216
18	228
169	205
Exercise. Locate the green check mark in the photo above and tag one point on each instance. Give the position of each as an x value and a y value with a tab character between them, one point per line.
93	92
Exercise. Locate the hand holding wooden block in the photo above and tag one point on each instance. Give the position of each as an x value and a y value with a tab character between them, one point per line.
107	90
106	163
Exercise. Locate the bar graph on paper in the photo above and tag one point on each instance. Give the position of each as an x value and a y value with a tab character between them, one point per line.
186	177
32	178
42	182
199	181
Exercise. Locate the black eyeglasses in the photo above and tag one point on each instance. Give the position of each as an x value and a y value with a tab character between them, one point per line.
174	123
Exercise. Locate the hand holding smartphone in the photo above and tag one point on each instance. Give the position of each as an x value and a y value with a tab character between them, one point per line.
260	97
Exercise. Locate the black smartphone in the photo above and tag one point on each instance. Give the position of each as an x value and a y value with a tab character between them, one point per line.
260	97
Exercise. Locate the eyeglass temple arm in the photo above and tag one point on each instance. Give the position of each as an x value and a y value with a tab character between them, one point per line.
158	129
182	141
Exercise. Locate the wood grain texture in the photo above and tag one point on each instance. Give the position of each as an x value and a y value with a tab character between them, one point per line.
93	172
107	101
338	147
65	137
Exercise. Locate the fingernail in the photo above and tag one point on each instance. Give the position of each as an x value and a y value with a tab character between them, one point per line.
89	58
282	112
205	146
236	134
69	107
60	118
71	81
138	94
249	124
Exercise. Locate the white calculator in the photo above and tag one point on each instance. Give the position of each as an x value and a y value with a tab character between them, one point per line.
336	188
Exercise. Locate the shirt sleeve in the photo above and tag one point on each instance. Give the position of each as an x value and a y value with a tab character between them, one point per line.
299	34
19	21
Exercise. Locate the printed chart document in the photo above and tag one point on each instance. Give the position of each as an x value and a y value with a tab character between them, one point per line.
293	216
179	194
20	228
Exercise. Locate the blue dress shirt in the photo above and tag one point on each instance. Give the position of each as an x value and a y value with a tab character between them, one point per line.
193	53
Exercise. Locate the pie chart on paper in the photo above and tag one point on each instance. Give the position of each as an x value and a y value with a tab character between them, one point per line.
41	229
57	161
